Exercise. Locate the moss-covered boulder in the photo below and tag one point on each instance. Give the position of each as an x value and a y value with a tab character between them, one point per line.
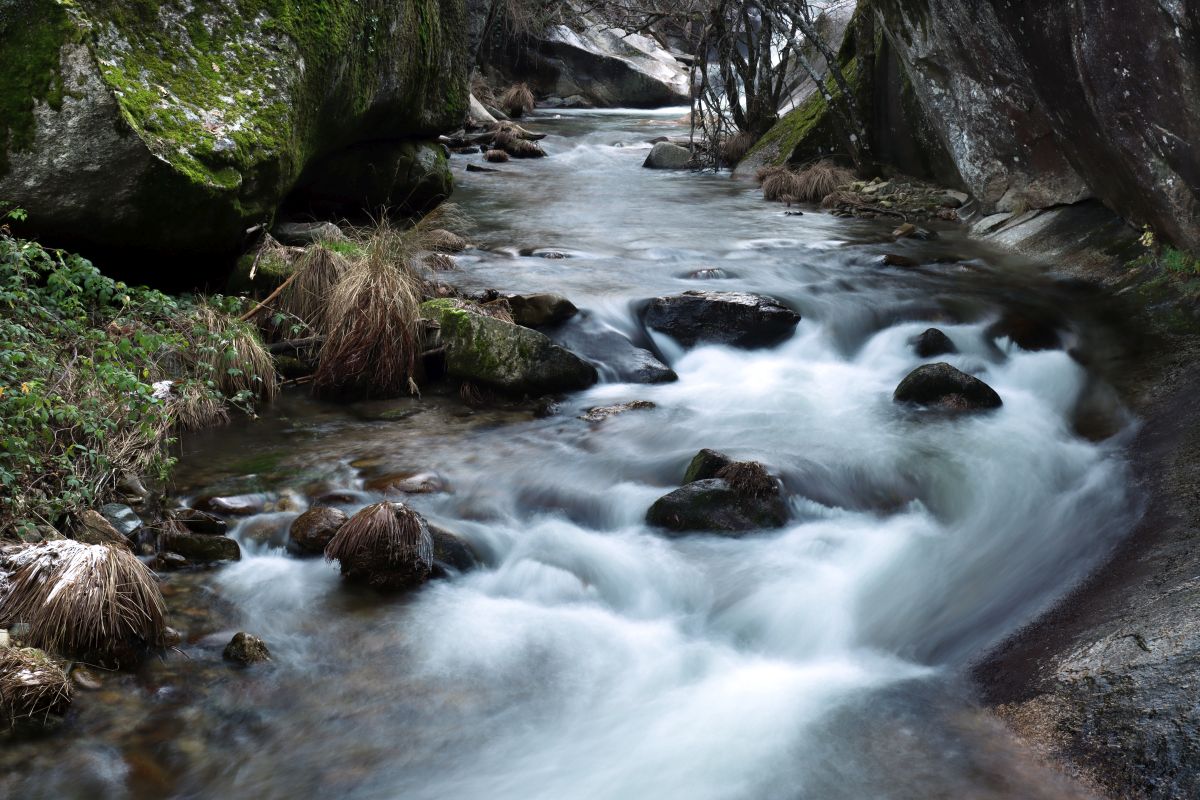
502	355
174	126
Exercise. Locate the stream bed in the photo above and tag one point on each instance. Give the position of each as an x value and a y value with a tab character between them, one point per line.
592	658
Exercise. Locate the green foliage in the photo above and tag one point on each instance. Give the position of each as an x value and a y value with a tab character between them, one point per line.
80	355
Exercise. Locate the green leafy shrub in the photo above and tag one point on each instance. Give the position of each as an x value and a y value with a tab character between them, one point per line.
95	376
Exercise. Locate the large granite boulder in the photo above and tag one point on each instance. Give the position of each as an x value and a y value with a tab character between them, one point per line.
503	355
177	126
733	318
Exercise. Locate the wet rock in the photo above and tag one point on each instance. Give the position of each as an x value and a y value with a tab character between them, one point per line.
933	343
495	156
540	310
713	505
478	168
451	551
198	547
665	155
312	530
86	679
171	637
944	386
731	318
123	519
92	528
503	355
910	231
707	274
131	489
169	562
602	413
386	545
302	234
619	359
245	649
407	483
895	260
201	522
705	464
235	506
1027	332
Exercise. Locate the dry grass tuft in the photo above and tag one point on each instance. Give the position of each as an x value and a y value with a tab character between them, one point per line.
386	545
517	101
373	315
495	156
440	262
814	183
33	687
192	407
734	148
443	241
762	173
523	148
88	601
307	296
779	185
843	197
749	478
231	355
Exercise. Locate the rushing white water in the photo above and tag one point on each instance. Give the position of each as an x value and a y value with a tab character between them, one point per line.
592	658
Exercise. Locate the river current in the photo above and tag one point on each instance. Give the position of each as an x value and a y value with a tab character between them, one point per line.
591	658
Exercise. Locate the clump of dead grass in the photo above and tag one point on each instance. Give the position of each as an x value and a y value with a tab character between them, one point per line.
495	156
735	148
517	101
386	545
33	687
307	294
749	478
809	185
81	600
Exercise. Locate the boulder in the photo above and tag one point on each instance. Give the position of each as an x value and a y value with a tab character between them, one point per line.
198	521
601	413
705	465
540	310
243	505
410	176
302	234
593	63
713	505
312	530
1026	331
618	359
943	386
92	528
122	518
451	551
179	128
407	483
933	343
198	547
731	318
503	355
665	155
245	649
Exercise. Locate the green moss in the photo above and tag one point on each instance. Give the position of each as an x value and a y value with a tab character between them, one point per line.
31	37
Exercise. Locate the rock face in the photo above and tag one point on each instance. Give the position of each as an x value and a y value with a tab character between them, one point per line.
944	386
665	155
595	65
313	529
732	318
1114	121
177	126
713	505
503	355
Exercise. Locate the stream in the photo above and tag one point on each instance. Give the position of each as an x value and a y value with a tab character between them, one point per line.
592	658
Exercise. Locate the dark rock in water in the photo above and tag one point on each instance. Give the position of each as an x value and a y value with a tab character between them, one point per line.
713	505
1026	332
732	318
123	518
933	343
168	562
199	547
910	231
665	155
706	464
707	274
302	234
478	168
407	483
198	521
313	529
944	386
92	528
540	310
450	551
604	412
503	355
245	649
235	506
619	359
895	260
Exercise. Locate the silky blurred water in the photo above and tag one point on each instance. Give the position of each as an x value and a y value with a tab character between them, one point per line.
591	657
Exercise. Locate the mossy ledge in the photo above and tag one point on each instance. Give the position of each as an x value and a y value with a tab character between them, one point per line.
207	110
